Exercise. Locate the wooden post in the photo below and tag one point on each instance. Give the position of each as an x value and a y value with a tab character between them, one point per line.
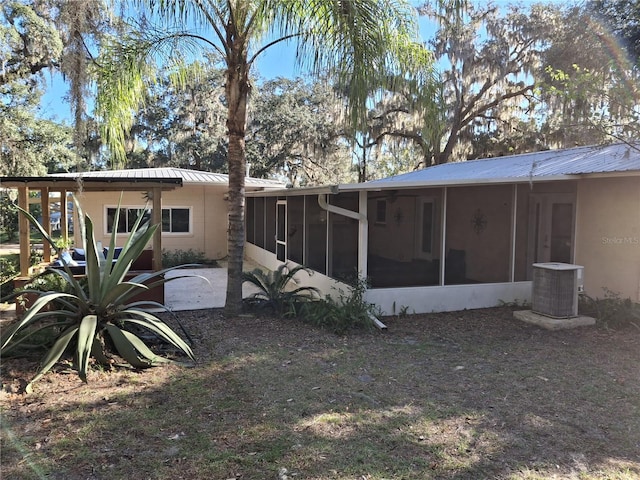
46	222
23	228
156	218
64	227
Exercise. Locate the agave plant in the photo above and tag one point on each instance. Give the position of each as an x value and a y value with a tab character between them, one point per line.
98	317
273	291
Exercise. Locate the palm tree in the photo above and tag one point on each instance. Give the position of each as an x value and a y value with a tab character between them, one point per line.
362	44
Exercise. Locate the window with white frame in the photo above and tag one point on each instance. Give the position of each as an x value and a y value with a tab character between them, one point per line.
174	219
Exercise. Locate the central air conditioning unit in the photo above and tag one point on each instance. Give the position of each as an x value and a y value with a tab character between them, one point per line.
555	289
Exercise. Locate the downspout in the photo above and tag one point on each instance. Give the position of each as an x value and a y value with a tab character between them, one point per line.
322	201
363	223
363	227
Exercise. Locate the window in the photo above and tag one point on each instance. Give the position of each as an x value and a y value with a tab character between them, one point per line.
381	211
126	219
174	220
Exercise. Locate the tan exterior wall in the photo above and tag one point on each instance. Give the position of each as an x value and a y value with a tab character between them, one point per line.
608	235
208	217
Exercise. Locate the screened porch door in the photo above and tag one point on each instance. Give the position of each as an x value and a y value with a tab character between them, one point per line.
552	218
281	230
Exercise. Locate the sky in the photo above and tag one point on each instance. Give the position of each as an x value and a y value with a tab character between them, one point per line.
277	61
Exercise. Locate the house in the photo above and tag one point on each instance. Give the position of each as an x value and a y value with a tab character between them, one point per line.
462	235
191	205
193	217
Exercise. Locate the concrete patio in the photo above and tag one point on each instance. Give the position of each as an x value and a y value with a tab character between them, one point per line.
204	288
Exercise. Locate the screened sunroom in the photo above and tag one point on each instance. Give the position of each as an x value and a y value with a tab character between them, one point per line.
453	236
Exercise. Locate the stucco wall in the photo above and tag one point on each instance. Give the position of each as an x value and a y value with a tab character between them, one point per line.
208	217
608	235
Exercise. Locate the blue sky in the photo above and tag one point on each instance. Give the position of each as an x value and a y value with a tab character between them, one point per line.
278	61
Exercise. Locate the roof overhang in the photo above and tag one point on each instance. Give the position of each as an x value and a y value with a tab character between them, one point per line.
392	185
89	184
282	192
398	185
376	186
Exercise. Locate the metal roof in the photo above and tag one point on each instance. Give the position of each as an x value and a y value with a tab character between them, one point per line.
188	177
547	165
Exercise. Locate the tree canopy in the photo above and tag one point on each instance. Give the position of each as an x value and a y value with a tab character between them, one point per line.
519	80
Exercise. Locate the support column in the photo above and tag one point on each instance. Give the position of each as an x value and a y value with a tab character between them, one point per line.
23	228
46	222
443	236
363	234
64	227
514	220
156	219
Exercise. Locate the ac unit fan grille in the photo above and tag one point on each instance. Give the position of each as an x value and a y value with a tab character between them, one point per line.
555	292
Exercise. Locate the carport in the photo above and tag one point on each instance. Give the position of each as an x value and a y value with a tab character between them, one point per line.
77	185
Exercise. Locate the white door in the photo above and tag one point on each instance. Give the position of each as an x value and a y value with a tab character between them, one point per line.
281	230
552	225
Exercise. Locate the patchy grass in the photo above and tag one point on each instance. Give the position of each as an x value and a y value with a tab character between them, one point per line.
463	395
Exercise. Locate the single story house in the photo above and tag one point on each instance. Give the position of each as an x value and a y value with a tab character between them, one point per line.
462	235
193	217
191	205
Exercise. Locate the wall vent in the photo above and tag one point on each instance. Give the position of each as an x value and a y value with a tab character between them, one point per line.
555	289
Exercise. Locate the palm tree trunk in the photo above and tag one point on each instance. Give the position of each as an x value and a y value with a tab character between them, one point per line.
237	91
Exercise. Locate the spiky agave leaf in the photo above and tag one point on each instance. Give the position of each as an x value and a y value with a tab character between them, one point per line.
143	350
105	309
22	337
125	348
46	237
54	354
86	334
30	317
151	322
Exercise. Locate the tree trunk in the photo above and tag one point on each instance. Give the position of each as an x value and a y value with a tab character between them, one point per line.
237	91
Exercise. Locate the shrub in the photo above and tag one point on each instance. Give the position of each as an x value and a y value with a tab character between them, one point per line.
274	291
9	268
612	311
348	311
172	258
99	317
8	216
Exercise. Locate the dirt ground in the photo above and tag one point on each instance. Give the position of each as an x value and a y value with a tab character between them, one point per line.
461	395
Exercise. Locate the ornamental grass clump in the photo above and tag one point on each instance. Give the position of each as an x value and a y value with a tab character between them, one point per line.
98	317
